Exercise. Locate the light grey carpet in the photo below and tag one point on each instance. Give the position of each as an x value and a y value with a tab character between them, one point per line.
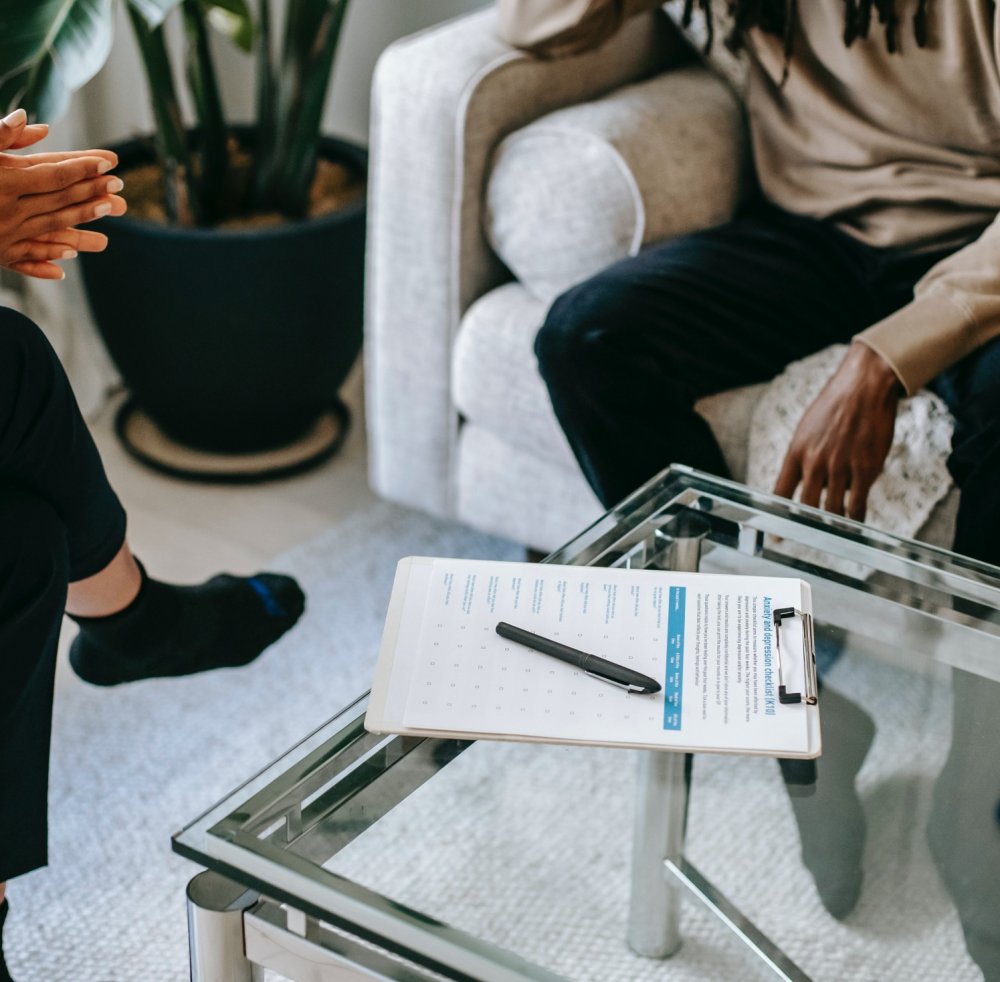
528	846
474	846
132	765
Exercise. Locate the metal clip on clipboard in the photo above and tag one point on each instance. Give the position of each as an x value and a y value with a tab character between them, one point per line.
810	683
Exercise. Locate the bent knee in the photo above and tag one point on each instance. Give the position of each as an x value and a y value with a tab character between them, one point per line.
577	325
34	539
21	337
25	353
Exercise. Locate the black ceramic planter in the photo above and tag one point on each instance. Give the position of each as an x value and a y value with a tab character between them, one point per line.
232	341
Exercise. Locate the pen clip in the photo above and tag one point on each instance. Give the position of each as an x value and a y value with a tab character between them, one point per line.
621	685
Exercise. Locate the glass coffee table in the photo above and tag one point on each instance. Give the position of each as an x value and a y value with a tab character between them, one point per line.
358	856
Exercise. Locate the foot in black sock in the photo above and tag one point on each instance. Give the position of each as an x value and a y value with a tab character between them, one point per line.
4	974
829	813
179	630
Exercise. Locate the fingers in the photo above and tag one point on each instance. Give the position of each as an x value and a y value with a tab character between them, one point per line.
11	128
78	214
35	257
39	204
791	474
811	479
836	488
31	135
39	270
22	160
813	482
15	132
118	205
842	492
80	239
860	486
38	251
46	178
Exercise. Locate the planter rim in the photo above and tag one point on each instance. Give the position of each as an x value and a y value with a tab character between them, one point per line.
289	227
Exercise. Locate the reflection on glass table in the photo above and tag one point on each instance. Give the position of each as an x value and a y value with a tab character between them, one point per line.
412	858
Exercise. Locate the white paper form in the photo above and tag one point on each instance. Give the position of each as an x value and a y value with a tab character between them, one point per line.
707	639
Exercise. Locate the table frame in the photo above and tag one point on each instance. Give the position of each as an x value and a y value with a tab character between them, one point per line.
908	591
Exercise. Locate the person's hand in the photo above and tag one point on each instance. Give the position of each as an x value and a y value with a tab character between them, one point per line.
43	196
844	436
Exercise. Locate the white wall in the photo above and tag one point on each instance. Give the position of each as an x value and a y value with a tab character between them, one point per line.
114	106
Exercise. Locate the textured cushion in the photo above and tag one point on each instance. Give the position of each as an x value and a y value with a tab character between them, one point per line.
588	185
511	492
495	378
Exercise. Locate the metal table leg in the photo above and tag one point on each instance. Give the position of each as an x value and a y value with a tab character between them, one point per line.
215	929
662	783
661	809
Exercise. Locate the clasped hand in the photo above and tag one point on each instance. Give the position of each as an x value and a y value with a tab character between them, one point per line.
45	196
841	443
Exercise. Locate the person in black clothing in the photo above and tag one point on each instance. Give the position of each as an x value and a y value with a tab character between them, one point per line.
62	528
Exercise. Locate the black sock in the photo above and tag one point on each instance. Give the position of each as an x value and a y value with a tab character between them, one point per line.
178	630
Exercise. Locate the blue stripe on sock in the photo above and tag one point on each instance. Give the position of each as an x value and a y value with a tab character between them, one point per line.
271	606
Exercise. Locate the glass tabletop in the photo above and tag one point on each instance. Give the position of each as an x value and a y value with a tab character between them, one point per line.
427	858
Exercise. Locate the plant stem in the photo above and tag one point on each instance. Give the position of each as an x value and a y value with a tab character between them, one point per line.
205	90
171	142
314	28
265	141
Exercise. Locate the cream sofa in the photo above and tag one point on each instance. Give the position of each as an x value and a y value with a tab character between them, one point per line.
476	153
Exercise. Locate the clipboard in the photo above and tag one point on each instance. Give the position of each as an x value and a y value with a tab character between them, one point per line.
442	671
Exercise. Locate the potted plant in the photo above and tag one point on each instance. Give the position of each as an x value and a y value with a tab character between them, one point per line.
230	295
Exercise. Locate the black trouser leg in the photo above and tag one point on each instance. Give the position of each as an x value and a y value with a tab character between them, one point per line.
59	521
34	572
46	448
964	830
626	354
971	390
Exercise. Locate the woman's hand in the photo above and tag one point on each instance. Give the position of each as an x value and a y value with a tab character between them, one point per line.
43	196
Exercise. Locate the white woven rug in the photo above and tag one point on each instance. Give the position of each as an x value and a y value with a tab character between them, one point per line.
132	765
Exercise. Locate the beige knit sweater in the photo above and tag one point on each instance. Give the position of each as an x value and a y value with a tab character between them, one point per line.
897	149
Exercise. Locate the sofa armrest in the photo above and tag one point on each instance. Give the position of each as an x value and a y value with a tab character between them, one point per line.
441	102
586	186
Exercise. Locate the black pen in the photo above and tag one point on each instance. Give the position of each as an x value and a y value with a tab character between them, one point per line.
599	668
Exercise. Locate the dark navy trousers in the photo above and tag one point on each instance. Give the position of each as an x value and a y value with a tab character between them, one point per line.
60	521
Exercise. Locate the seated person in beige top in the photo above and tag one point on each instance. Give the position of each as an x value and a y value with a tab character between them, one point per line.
875	129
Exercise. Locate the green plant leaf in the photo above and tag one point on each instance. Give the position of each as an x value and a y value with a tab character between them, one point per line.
153	12
50	48
231	18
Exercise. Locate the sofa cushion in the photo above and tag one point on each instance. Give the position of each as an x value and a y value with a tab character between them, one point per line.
585	186
498	490
495	380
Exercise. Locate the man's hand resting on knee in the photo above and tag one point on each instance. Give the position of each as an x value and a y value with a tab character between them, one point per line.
843	438
43	196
